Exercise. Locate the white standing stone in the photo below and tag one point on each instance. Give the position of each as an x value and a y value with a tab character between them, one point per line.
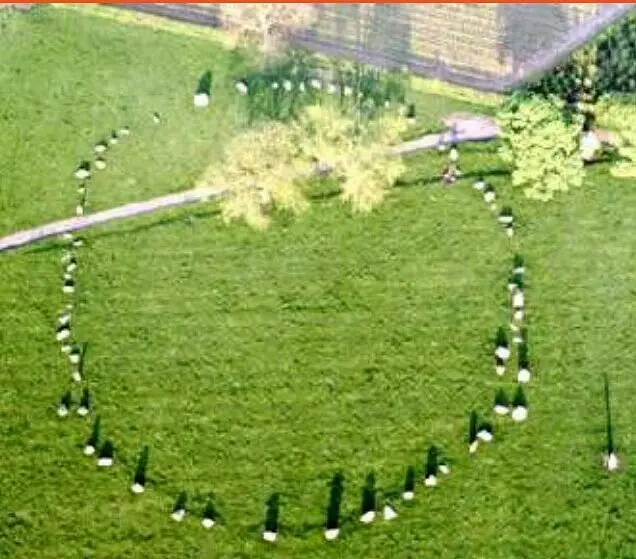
590	144
518	299
74	358
178	515
301	87
137	488
472	448
82	174
207	523
63	335
315	84
68	289
411	120
510	231
71	268
519	270
201	100
523	376
517	339
348	92
485	436
287	85
113	140
479	185
611	462
105	462
500	370
518	316
501	410
332	533
489	197
444	469
505	219
65	348
100	148
368	517
79	210
100	164
82	411
269	536
76	376
502	352
389	513
408	495
124	132
241	87
89	450
62	411
430	481
520	413
332	89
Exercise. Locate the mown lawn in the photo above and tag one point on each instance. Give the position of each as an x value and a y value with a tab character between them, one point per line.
69	77
253	362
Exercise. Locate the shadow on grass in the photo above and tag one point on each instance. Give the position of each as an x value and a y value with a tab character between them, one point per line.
323	193
188	218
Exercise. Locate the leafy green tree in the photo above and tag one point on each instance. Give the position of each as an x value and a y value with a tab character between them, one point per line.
267	167
542	145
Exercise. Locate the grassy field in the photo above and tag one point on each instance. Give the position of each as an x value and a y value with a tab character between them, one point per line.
68	78
258	362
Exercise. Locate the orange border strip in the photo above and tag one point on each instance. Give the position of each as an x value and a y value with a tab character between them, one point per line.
329	2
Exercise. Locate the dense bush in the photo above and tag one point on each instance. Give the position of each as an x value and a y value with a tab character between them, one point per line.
620	118
541	142
267	166
604	66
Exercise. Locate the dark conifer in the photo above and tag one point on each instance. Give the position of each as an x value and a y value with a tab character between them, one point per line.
335	499
431	463
179	507
139	480
93	441
271	515
409	483
369	495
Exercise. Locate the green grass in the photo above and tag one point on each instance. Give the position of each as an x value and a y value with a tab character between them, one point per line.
68	79
260	362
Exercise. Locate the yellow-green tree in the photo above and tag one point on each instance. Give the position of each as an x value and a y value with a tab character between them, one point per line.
621	119
268	167
259	171
355	152
541	146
